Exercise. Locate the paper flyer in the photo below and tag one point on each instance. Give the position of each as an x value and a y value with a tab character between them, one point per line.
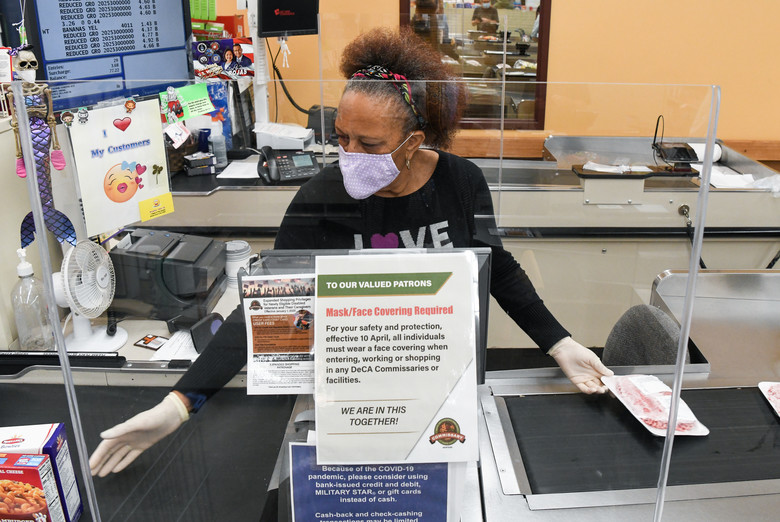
6	65
120	160
181	103
227	58
395	372
279	322
367	493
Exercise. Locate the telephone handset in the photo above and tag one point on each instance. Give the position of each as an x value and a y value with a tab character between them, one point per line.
266	166
279	166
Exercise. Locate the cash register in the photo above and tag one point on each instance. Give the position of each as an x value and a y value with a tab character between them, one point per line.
177	278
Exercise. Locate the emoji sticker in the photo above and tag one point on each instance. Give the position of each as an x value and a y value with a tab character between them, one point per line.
122	181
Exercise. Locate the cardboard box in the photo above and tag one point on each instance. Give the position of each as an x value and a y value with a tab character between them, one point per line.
200	159
233	24
28	488
200	171
51	440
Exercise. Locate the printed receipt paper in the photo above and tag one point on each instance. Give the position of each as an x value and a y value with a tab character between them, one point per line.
395	366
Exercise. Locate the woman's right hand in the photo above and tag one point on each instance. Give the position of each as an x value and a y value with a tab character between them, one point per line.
123	443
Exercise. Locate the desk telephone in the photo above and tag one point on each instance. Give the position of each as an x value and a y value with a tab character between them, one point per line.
279	166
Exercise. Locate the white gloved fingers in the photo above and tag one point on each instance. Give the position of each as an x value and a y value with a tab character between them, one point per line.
599	367
104	450
585	388
125	441
590	387
123	428
583	368
113	459
129	458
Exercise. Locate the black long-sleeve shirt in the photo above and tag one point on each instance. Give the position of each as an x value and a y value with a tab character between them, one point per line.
453	209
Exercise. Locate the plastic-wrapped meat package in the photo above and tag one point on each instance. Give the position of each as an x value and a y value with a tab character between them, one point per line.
648	399
771	391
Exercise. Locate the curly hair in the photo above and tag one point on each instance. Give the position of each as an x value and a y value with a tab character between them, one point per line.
436	91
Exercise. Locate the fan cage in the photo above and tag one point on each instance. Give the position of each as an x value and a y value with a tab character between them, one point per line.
89	279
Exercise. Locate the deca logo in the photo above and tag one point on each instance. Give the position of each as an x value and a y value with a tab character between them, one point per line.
283	12
447	432
13	440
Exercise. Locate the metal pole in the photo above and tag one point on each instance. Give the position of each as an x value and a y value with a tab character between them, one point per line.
501	122
322	91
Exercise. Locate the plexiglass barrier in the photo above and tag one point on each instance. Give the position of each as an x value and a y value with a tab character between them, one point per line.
605	210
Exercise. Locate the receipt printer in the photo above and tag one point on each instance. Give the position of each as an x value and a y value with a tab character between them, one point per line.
167	276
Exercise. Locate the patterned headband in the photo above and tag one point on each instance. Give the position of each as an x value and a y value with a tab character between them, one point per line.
24	47
401	84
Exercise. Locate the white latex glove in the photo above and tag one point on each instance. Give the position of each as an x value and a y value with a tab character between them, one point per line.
124	442
580	365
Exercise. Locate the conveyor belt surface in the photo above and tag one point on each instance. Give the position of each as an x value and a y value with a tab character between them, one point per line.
215	467
579	443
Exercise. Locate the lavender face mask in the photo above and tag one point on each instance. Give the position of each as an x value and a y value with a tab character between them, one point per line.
365	174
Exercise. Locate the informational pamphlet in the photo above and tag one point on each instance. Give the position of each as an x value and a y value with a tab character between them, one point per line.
395	369
279	330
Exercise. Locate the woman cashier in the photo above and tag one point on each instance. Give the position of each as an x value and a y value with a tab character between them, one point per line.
385	192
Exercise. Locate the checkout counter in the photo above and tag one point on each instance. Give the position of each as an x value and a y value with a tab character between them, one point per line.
230	459
545	449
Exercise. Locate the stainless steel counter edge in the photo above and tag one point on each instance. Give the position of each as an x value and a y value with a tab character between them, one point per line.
232	188
133	374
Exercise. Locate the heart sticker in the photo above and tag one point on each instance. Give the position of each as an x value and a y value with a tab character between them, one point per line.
122	124
138	179
388	241
140	169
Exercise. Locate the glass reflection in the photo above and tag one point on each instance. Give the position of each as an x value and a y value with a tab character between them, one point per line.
487	42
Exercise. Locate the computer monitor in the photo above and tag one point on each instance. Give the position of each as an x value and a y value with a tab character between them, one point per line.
274	262
287	17
117	49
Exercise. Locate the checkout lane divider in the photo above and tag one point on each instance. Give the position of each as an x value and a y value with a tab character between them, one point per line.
690	296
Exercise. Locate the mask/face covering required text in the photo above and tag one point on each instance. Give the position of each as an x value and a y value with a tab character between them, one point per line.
395	363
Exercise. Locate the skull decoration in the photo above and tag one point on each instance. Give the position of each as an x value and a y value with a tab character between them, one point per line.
25	65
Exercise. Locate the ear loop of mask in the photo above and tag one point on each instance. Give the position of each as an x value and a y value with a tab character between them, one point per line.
408	165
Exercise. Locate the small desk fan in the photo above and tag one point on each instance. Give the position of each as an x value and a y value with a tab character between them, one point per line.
85	284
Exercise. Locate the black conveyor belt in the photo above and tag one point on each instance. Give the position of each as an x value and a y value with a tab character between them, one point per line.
215	467
580	443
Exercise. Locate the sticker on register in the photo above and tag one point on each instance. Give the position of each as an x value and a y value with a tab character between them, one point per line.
771	391
648	399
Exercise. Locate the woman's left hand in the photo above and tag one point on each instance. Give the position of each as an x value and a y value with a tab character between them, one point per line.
580	365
